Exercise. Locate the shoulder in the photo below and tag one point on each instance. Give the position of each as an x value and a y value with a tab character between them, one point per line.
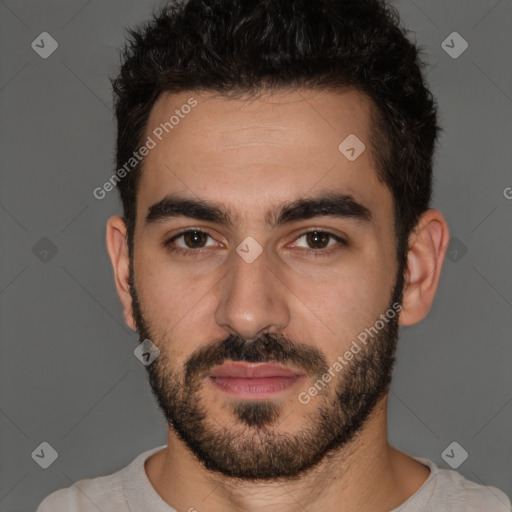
455	491
473	496
103	493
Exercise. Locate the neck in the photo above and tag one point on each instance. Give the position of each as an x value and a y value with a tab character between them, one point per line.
367	474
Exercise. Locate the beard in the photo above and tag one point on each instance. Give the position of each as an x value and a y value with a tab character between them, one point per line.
255	449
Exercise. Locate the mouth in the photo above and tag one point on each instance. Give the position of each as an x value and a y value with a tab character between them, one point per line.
254	381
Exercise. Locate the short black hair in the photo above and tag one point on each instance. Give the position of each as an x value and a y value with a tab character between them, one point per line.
245	47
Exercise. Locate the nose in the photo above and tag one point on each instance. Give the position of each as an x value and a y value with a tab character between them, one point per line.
253	299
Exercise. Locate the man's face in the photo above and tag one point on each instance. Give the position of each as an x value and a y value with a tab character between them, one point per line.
296	289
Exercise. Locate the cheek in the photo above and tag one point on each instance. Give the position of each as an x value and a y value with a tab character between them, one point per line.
169	287
372	296
172	301
348	302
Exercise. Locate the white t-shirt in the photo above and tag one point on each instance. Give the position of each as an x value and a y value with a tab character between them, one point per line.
129	490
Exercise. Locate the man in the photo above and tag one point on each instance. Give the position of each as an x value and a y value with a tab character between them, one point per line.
275	166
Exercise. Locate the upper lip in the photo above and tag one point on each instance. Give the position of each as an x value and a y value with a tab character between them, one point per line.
253	370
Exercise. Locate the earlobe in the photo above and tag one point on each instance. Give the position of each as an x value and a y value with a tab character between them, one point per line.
427	249
117	248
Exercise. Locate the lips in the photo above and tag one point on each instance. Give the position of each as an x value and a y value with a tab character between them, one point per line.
256	381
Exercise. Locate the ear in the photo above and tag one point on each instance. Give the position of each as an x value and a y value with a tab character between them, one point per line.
117	246
427	249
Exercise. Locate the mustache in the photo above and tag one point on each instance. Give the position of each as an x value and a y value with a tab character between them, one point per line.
265	349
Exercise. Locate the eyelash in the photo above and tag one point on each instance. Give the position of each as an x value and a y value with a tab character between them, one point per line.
197	252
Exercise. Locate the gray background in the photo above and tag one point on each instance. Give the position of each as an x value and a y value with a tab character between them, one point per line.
68	374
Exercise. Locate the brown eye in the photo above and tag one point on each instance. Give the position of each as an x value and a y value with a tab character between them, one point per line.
195	239
190	242
317	239
320	243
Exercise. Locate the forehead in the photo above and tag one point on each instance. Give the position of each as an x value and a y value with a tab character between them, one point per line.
252	153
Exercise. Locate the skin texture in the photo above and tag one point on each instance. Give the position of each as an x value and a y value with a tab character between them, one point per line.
251	156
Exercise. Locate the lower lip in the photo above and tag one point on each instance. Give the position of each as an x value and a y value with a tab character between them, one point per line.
254	388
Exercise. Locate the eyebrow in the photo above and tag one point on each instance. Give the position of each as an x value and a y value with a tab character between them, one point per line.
331	204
